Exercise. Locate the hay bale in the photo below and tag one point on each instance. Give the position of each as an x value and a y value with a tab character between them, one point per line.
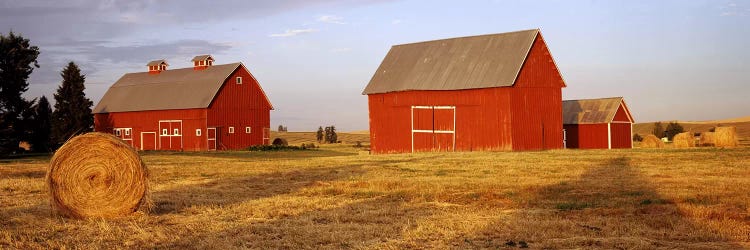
97	175
280	142
708	139
651	141
684	140
726	137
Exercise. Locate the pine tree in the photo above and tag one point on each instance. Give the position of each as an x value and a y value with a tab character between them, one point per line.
41	138
17	61
320	134
72	113
658	130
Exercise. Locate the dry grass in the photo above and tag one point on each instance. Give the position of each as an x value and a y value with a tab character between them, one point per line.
296	138
335	197
742	125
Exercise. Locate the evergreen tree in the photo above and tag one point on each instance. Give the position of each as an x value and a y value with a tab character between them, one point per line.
673	129
319	135
17	61
41	138
330	136
72	113
658	130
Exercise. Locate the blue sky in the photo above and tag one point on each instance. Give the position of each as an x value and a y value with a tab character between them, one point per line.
671	60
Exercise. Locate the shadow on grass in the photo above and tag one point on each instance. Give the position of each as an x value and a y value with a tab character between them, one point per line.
241	154
610	206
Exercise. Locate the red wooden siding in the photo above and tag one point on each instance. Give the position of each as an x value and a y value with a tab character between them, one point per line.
239	106
586	136
146	124
621	135
621	115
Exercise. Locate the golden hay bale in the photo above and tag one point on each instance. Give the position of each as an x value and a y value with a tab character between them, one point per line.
726	137
684	140
651	141
708	139
97	175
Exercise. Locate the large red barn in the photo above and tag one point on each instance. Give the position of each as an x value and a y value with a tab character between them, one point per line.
604	123
205	107
489	92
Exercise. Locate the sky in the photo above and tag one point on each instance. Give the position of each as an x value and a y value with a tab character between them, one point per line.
670	60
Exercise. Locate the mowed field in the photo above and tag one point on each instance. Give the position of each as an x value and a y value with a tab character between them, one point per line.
337	196
296	138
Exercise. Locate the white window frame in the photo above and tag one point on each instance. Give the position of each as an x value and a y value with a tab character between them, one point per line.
248	130
176	131
197	132
127	131
165	131
231	130
238	80
117	132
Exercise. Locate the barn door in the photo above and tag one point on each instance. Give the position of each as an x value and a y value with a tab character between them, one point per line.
170	134
266	136
148	140
433	128
211	137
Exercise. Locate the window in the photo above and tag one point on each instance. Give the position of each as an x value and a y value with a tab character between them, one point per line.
247	130
164	132
198	132
117	132
177	131
239	80
201	63
127	131
231	130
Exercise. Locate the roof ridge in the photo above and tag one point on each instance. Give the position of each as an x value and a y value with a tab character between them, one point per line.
464	37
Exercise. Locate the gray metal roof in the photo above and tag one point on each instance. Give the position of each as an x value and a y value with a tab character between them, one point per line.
157	62
201	58
458	63
170	89
590	111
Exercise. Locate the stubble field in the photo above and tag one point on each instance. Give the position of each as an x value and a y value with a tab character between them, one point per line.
339	197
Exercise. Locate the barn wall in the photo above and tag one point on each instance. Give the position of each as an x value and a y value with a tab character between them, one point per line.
239	106
148	121
587	136
482	120
621	135
621	115
536	102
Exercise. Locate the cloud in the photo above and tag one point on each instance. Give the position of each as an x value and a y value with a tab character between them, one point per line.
331	19
732	9
341	50
396	21
293	32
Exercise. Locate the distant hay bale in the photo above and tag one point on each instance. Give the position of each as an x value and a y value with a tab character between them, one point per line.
280	142
726	137
708	139
684	140
651	141
97	175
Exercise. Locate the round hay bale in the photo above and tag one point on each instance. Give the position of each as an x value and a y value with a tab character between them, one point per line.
684	140
708	139
280	142
651	141
97	175
726	137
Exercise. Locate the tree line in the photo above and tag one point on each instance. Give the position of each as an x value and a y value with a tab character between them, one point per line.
34	121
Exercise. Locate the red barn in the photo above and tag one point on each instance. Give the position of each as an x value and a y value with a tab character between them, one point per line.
489	92
598	123
206	107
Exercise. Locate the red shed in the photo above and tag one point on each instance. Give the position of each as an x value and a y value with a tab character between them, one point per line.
598	123
206	107
489	92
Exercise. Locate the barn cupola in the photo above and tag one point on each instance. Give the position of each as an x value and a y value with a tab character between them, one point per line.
202	62
157	66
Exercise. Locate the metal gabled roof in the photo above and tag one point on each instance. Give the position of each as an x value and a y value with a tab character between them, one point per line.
590	111
185	88
451	64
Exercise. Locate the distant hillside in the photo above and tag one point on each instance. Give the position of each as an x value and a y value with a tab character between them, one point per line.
742	124
296	138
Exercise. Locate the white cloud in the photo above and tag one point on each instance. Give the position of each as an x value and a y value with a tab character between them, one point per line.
293	32
396	21
341	50
331	19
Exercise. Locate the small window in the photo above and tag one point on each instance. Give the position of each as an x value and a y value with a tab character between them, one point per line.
239	80
201	63
198	132
177	131
127	131
247	130
164	131
231	130
117	132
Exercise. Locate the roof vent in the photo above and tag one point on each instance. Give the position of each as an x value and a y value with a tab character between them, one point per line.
154	67
202	62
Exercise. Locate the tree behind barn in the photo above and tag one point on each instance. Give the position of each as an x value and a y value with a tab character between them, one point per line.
17	61
673	129
72	113
41	139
